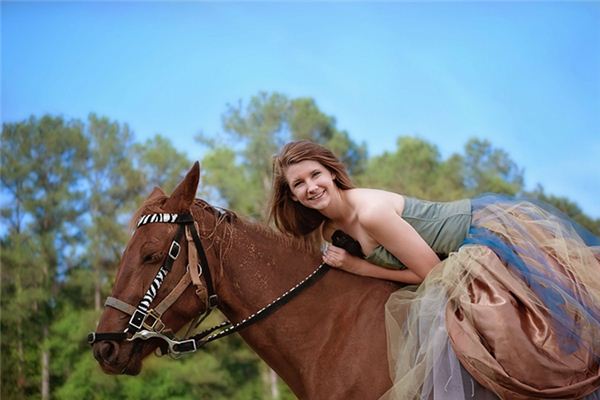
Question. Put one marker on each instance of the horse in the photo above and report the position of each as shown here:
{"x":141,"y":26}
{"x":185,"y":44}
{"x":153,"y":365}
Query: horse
{"x":328,"y":342}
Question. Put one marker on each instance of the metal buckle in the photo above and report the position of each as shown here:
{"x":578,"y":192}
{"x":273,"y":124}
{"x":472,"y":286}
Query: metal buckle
{"x":189,"y":344}
{"x":185,"y":346}
{"x":187,"y":269}
{"x":91,"y":339}
{"x":157,"y":321}
{"x":174,"y":250}
{"x":213,"y":301}
{"x":137,"y":319}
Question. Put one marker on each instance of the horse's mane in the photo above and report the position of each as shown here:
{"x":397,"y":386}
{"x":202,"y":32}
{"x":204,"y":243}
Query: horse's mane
{"x":278,"y":237}
{"x":260,"y":228}
{"x":155,"y":203}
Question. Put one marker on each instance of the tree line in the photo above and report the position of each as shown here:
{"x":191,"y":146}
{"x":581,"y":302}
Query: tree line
{"x":68,"y":188}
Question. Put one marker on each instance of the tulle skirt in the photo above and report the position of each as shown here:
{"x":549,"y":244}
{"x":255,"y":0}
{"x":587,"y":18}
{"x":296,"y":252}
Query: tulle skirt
{"x":513,"y":314}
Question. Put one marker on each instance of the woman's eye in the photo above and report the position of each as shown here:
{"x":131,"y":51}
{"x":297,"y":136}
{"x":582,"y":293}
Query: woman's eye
{"x":316,"y":173}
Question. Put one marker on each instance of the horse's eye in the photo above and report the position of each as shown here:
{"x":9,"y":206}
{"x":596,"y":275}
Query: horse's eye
{"x":151,"y":258}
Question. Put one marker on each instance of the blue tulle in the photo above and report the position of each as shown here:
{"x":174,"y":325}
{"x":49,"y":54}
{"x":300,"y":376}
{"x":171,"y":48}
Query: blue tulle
{"x":554,"y":294}
{"x":586,"y":236}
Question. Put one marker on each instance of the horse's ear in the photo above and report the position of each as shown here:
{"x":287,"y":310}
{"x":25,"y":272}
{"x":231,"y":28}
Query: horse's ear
{"x":184,"y":194}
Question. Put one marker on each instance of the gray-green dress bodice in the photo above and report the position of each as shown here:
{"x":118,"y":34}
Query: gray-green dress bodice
{"x":443,"y":226}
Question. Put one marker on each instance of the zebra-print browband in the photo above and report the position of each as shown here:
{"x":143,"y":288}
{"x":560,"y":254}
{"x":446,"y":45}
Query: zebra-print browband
{"x":158,"y":217}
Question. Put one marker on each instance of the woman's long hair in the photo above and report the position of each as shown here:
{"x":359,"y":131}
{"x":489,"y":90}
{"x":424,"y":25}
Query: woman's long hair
{"x":290,"y":216}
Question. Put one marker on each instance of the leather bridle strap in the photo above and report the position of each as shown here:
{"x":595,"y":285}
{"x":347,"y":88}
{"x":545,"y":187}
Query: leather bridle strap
{"x":227,"y":328}
{"x":194,"y":268}
{"x":141,"y":314}
{"x":213,"y":299}
{"x":172,"y":297}
{"x":119,"y":305}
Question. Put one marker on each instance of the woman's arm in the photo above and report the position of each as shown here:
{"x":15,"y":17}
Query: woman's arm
{"x":340,"y":258}
{"x":399,"y":238}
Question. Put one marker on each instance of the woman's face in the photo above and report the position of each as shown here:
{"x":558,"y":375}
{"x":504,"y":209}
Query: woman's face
{"x":311,"y":184}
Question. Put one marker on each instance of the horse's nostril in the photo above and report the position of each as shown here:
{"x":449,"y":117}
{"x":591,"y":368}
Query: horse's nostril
{"x":106,"y":351}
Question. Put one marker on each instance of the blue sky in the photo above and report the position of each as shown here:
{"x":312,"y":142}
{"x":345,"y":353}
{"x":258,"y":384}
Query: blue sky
{"x":524,"y":75}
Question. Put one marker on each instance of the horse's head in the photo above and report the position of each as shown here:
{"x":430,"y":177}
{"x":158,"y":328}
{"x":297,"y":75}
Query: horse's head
{"x":152,"y":291}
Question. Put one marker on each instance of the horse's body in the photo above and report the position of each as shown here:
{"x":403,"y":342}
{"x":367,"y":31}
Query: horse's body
{"x":327,"y":343}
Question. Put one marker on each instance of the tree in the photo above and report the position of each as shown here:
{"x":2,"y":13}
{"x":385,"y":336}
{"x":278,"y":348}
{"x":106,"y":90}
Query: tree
{"x":113,"y":185}
{"x":22,"y":294}
{"x":415,"y":169}
{"x":488,"y":169}
{"x":42,"y":161}
{"x":160,"y":164}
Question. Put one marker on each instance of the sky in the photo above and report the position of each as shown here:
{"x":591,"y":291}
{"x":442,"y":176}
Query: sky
{"x":523,"y":75}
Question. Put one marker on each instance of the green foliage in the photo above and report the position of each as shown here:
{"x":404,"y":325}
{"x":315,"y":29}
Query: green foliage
{"x":232,"y":180}
{"x":42,"y":162}
{"x":160,"y":164}
{"x":68,"y":188}
{"x":415,"y":169}
{"x":114,"y":186}
{"x":569,"y":208}
{"x":490,"y":170}
{"x":22,"y":292}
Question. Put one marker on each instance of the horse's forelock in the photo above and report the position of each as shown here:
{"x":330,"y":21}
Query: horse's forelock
{"x":149,"y":206}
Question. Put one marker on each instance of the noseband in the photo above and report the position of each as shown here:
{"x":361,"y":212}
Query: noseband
{"x":145,"y":322}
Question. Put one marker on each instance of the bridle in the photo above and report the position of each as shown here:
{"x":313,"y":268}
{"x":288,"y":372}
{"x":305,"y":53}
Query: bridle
{"x":146,"y":323}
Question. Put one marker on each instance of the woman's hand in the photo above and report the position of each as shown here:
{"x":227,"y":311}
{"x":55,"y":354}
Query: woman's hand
{"x":339,"y":258}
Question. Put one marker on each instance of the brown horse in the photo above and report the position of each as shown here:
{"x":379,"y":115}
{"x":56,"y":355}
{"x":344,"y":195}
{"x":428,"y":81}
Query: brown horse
{"x":329,"y":342}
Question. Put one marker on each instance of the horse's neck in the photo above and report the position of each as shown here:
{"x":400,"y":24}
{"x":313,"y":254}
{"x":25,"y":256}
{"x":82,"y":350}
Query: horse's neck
{"x":295,"y":340}
{"x":260,"y":267}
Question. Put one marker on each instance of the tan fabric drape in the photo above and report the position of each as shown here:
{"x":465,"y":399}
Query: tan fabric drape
{"x":475,"y":308}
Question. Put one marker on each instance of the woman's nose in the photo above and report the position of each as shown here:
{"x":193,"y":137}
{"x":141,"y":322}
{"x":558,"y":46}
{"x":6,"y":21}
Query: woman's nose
{"x":312,"y":187}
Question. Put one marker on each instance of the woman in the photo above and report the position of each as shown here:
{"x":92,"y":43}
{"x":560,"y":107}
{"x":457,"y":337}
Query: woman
{"x":513,"y":310}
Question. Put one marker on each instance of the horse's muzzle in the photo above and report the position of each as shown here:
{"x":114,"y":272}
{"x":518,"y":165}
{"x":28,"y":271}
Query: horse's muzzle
{"x":106,"y":352}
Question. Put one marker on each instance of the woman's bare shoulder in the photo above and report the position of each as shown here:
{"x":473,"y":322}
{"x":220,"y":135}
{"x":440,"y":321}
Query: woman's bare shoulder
{"x":369,"y":201}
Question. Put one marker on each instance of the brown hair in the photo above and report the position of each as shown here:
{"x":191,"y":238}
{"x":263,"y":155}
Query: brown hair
{"x":288,"y":215}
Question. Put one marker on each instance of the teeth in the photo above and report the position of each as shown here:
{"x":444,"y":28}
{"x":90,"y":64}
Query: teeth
{"x":316,"y":197}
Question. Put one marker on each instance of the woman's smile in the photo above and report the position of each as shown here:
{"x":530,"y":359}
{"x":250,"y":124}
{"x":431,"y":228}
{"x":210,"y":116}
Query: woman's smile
{"x":317,"y":197}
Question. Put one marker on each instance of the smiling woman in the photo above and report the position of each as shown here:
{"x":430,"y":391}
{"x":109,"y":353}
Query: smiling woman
{"x":513,"y":310}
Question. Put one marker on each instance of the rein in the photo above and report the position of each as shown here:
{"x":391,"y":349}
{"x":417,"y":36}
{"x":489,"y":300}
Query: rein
{"x":146,"y":323}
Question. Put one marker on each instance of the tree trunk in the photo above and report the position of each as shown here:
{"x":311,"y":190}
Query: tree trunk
{"x":45,"y":366}
{"x":269,"y":378}
{"x":21,"y":381}
{"x":274,"y":386}
{"x":97,"y":291}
